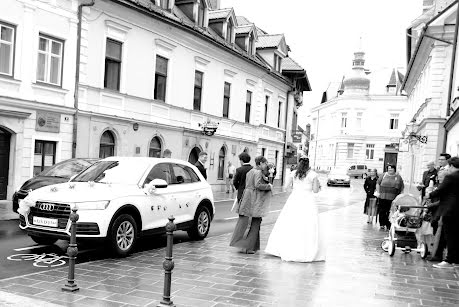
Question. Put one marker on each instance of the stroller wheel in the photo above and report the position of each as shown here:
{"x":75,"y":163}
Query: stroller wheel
{"x":385,"y":245}
{"x":424,"y":250}
{"x":391,"y":249}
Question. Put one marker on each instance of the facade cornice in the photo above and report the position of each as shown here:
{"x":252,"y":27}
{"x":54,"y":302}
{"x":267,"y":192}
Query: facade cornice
{"x":35,"y":105}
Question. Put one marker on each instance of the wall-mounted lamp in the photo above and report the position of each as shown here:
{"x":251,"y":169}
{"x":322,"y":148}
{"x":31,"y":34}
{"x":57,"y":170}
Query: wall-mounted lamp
{"x":135,"y":126}
{"x":412,"y":137}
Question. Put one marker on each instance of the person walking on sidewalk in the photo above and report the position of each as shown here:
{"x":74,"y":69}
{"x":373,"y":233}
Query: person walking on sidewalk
{"x":229,"y":177}
{"x":297,"y":234}
{"x":388,"y":187}
{"x":241,"y":172}
{"x":254,"y":204}
{"x":200,"y":164}
{"x":370,"y":188}
{"x":448,"y":192}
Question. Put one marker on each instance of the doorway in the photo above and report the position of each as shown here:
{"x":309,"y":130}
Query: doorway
{"x":390,"y":158}
{"x":194,"y":155}
{"x":5,"y":138}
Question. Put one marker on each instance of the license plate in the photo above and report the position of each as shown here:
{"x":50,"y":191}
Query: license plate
{"x":43,"y":221}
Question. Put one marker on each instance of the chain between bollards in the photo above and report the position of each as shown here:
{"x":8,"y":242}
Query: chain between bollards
{"x":72,"y":251}
{"x":168,"y":264}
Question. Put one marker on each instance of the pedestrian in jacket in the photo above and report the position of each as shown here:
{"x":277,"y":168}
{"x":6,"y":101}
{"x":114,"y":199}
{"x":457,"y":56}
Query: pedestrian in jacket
{"x":388,"y":187}
{"x":241,"y":172}
{"x":427,"y":176}
{"x":254,"y":204}
{"x":370,"y":188}
{"x":448,"y":192}
{"x":201,"y":162}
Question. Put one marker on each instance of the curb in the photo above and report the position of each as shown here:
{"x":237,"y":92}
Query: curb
{"x":10,"y":299}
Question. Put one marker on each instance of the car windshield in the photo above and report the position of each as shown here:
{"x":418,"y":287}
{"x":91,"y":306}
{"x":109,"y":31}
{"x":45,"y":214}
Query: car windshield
{"x":66,"y":169}
{"x":123,"y":172}
{"x":338,"y":171}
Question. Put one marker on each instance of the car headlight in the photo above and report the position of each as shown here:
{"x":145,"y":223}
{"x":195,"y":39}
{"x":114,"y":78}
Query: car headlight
{"x":92,"y":205}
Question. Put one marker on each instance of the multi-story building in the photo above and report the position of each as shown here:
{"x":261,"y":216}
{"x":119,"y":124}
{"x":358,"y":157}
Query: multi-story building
{"x":430,"y":87}
{"x":37,"y":80}
{"x":360,"y":121}
{"x":152,"y":78}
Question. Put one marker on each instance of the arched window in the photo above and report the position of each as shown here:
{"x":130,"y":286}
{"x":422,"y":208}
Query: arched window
{"x":221,"y":162}
{"x":155,"y":148}
{"x":194,"y":155}
{"x":107,"y":145}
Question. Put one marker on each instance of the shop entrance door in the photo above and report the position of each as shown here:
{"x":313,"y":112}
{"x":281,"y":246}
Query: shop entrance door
{"x":5,"y":138}
{"x":389,"y":158}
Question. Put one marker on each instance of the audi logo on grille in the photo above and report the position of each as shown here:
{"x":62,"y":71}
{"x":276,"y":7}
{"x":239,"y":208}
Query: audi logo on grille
{"x":46,"y":206}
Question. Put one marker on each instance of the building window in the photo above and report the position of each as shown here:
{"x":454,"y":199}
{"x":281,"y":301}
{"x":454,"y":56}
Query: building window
{"x":44,"y":156}
{"x":229,"y":31}
{"x":197,"y":90}
{"x":7,"y":39}
{"x":358,"y":122}
{"x":226,"y":99}
{"x":277,"y":62}
{"x":370,"y":152}
{"x":279,"y":113}
{"x":160,"y":78}
{"x":113,"y":65}
{"x":221,"y":162}
{"x":266,"y":108}
{"x":107,"y":145}
{"x":393,"y":122}
{"x":201,"y":10}
{"x":344,"y":120}
{"x":248,"y":104}
{"x":263,"y":152}
{"x":155,"y":148}
{"x":49,"y":63}
{"x":350,"y":150}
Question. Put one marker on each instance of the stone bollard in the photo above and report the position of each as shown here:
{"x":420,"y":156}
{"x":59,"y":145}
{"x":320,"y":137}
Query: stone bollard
{"x":72,"y":251}
{"x":168,"y":264}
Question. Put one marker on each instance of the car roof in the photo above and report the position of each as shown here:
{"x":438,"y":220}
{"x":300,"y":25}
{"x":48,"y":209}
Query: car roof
{"x":147,"y":160}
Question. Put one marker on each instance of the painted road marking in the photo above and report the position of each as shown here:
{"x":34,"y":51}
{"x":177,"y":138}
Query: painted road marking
{"x":30,"y":247}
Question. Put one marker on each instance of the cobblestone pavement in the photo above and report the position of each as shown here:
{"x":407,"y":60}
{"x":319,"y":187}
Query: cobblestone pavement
{"x":210,"y":273}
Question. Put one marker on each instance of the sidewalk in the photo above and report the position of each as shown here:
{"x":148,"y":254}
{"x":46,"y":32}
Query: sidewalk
{"x":6,"y":211}
{"x":223,"y":196}
{"x":210,"y":273}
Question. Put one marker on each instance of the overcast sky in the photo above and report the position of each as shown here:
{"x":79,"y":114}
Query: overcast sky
{"x":323,"y":34}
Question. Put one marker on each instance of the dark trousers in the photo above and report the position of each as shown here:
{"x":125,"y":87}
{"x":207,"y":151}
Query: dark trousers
{"x":441,"y":245}
{"x":384,"y":209}
{"x":451,"y":231}
{"x":251,"y":241}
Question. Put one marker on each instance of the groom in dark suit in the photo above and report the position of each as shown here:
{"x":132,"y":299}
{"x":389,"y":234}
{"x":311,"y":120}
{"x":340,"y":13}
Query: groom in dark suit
{"x":241,"y":172}
{"x":201,"y":162}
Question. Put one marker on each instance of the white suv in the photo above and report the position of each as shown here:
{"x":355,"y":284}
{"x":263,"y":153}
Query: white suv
{"x":121,"y":198}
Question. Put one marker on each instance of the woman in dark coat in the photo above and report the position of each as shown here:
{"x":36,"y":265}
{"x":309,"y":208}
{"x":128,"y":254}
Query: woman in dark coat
{"x":370,"y":188}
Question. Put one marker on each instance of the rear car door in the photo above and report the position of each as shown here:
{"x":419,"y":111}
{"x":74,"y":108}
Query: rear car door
{"x":188,"y":187}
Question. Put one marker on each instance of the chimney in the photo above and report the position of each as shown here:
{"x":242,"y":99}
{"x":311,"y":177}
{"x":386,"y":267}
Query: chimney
{"x":215,"y":4}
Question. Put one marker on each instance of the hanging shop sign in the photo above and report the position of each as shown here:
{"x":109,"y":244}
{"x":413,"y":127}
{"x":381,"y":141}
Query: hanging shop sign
{"x":296,"y":137}
{"x":209,"y":128}
{"x":48,"y":122}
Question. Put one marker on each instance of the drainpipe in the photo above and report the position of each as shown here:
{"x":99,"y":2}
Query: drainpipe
{"x":77,"y":76}
{"x":284,"y":160}
{"x":317,"y":134}
{"x":451,"y":76}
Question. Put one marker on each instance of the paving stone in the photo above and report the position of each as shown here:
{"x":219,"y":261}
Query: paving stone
{"x":129,"y":299}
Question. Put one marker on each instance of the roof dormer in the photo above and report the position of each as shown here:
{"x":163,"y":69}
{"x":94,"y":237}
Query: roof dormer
{"x":224,"y":23}
{"x":273,"y":49}
{"x":246,"y":37}
{"x":195,"y":10}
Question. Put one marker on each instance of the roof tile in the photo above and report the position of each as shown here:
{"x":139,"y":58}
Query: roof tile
{"x":269,"y":41}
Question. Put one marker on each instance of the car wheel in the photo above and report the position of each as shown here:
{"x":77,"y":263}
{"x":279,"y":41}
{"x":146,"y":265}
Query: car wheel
{"x":123,"y":235}
{"x":201,"y":224}
{"x":43,"y":240}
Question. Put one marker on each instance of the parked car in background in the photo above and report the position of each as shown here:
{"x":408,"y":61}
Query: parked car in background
{"x":119,"y":199}
{"x":338,"y":176}
{"x":58,"y":173}
{"x":358,"y":171}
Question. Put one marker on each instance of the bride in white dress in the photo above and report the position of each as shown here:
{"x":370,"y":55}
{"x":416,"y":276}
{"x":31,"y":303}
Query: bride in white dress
{"x":297,"y":234}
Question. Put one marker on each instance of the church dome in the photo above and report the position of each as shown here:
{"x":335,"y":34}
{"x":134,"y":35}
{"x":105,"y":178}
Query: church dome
{"x":357,"y":81}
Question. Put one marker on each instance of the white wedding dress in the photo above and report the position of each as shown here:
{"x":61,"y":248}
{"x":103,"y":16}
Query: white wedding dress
{"x":297,"y":234}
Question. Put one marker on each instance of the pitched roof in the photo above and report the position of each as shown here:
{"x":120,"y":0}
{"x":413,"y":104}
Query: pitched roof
{"x":392,"y":80}
{"x":245,"y":28}
{"x":241,"y":20}
{"x":289,"y":64}
{"x":269,"y":41}
{"x":219,"y":14}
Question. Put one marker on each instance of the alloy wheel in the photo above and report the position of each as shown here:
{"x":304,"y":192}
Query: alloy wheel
{"x":125,"y":235}
{"x":203,"y":223}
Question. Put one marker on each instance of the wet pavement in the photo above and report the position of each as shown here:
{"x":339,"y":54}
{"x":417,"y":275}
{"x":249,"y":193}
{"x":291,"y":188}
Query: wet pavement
{"x":210,"y":273}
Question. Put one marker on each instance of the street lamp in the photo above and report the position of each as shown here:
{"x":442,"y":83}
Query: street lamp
{"x":413,"y":139}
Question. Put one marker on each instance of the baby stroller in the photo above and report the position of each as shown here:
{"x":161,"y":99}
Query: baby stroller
{"x":406,"y":216}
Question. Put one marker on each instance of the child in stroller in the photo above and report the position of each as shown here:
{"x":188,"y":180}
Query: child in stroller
{"x":406,"y":216}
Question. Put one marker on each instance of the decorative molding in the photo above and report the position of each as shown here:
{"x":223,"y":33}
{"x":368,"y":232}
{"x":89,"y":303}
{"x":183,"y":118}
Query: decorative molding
{"x":116,"y":30}
{"x":18,"y":114}
{"x":251,"y":82}
{"x":269,"y":91}
{"x":230,"y":73}
{"x":164,"y":46}
{"x":201,"y":63}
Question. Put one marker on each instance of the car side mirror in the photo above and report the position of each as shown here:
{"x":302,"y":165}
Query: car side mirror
{"x":180,"y":179}
{"x":150,"y":187}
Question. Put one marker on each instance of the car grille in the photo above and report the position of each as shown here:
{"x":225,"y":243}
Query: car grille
{"x":61,"y":212}
{"x":88,"y":229}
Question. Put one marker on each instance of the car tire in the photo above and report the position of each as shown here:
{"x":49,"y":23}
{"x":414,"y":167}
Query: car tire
{"x":201,"y":224}
{"x":43,"y":240}
{"x":123,"y":235}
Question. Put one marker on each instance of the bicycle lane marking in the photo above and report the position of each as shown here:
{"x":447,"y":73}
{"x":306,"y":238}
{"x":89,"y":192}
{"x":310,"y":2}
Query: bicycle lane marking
{"x":40,"y":260}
